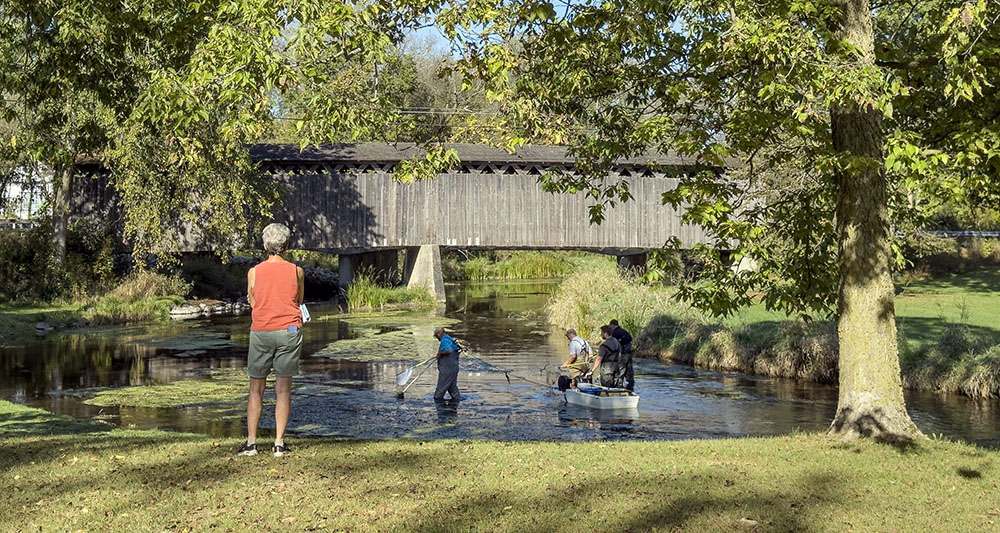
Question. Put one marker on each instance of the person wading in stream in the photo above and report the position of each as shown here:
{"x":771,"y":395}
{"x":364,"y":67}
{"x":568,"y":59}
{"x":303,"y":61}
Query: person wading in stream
{"x":625,"y":363}
{"x":275,"y":290}
{"x":607,"y":361}
{"x":447,"y":359}
{"x":578,"y":362}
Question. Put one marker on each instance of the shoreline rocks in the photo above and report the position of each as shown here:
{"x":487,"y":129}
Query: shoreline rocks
{"x":205,"y":308}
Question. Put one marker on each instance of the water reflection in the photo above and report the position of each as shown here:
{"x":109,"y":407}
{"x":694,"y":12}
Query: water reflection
{"x":504,"y":396}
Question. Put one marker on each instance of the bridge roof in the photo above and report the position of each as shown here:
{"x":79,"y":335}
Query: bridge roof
{"x":381,"y":153}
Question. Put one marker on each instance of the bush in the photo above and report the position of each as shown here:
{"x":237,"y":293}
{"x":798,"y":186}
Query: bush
{"x":29,"y":273}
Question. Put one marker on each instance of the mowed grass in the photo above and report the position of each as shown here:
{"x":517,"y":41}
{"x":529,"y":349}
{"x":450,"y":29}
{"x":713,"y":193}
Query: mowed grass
{"x":62,"y":474}
{"x":925,"y":309}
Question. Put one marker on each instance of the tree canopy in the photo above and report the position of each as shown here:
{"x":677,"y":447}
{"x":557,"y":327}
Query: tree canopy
{"x":843,"y":122}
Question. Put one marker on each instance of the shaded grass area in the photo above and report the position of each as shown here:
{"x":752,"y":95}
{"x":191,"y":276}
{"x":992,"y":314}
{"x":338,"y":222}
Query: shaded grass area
{"x":61,"y":474}
{"x":949,"y":336}
{"x":513,"y":264}
{"x":365,"y":292}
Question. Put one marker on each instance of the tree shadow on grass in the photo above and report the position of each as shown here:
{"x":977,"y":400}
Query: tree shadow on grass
{"x":588,"y":504}
{"x":928,"y":332}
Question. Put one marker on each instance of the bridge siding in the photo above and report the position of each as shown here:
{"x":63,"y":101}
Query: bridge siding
{"x":353,"y":212}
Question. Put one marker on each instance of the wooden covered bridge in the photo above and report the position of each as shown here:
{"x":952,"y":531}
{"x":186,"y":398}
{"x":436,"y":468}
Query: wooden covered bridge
{"x":343,"y":199}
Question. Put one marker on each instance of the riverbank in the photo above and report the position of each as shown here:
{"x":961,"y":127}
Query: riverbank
{"x":141,"y":297}
{"x":948,"y":341}
{"x":65,"y":474}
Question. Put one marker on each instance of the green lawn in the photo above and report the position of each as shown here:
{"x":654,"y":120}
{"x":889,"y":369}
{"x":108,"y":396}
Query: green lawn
{"x":67,"y":475}
{"x":924,"y":309}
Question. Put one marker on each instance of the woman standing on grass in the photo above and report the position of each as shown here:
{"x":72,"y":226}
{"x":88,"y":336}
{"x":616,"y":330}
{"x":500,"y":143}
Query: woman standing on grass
{"x":274,"y":291}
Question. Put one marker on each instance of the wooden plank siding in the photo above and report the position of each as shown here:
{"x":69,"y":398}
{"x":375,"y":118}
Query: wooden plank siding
{"x":369,"y":211}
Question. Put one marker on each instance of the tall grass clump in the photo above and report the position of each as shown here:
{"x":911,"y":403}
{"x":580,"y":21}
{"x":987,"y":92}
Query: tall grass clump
{"x":587,"y":300}
{"x":522,"y":265}
{"x":365,"y":292}
{"x":140,"y":297}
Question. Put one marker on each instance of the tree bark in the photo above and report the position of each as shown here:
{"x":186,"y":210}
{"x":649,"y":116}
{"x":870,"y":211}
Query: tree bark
{"x":870,"y":402}
{"x":63,"y":182}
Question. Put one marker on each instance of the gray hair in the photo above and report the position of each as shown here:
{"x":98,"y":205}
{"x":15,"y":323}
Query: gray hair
{"x":438,"y":330}
{"x":276,"y":237}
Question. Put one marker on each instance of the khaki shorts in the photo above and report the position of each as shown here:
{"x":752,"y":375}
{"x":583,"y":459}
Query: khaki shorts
{"x":279,"y":350}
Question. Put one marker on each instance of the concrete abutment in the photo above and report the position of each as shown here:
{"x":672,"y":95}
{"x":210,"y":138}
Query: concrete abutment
{"x":422,"y":268}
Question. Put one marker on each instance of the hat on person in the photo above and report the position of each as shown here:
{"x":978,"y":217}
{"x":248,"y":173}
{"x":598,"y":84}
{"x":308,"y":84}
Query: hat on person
{"x":570,"y":331}
{"x":438,"y":330}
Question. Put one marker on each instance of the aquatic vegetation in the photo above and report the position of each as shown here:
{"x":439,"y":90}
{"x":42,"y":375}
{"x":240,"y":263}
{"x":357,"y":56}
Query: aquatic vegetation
{"x":392,"y":319}
{"x":365,"y":292}
{"x":176,"y":394}
{"x":400,"y":345}
{"x":513,"y":264}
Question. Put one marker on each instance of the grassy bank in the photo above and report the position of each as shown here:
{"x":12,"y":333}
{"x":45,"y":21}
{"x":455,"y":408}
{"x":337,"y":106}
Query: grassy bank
{"x":365,"y":293}
{"x":511,"y":264}
{"x":62,"y":474}
{"x":948,"y":340}
{"x":138,"y":298}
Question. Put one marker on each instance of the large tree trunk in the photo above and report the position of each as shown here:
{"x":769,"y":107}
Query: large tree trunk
{"x":62,"y":181}
{"x":871,"y":393}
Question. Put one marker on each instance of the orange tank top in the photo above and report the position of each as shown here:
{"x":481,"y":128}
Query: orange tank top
{"x":275,"y":286}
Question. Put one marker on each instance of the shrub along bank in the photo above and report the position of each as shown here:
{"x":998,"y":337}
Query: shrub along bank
{"x":62,"y":474}
{"x":946,"y":325}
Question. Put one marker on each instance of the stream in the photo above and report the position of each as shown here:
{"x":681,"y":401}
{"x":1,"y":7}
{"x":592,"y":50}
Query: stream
{"x":347,"y":387}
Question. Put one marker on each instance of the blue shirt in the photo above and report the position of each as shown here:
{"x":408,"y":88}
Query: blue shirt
{"x":448,"y":343}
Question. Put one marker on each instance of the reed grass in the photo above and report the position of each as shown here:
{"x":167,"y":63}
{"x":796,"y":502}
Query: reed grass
{"x":521,"y":265}
{"x":364,"y":292}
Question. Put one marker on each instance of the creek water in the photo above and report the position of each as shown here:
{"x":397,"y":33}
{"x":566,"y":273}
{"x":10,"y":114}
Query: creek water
{"x":347,"y":387}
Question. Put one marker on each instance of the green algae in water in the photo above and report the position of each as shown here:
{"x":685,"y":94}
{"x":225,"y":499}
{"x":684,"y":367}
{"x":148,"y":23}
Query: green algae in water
{"x":226,"y":387}
{"x":403,"y":345}
{"x":390,"y":319}
{"x":177,"y":394}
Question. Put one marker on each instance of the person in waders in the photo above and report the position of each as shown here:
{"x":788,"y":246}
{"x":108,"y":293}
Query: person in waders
{"x":607,"y":362}
{"x":578,"y":362}
{"x":447,"y":360}
{"x":625,"y":364}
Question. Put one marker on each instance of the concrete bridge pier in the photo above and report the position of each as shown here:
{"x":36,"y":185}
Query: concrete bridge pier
{"x":634,"y":263}
{"x":422,"y":267}
{"x":383,"y":265}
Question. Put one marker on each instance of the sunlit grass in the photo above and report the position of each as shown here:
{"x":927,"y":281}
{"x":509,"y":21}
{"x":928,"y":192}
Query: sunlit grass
{"x":66,"y":475}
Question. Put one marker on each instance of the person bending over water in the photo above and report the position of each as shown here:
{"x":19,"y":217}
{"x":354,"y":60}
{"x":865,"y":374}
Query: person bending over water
{"x":275,"y":290}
